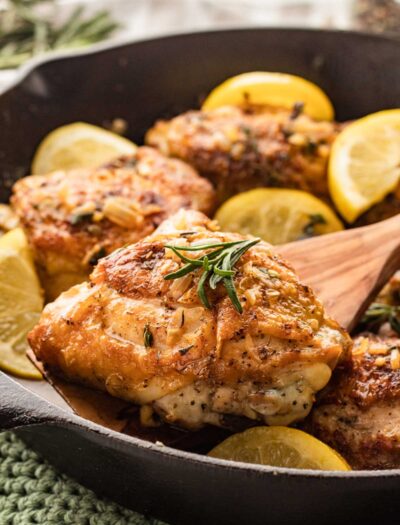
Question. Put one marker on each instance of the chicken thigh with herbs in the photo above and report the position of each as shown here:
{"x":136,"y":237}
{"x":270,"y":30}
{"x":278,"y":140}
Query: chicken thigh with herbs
{"x":74,"y":218}
{"x":191,"y":344}
{"x":359,"y":413}
{"x":240,"y":149}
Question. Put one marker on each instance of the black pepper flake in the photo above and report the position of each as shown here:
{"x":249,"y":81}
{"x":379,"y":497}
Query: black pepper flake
{"x":184,"y":351}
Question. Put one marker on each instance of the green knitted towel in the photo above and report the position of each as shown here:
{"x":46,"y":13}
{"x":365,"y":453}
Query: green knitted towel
{"x":32,"y":492}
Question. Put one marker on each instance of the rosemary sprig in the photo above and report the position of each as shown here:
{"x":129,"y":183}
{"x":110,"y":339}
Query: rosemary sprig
{"x":379,"y":313}
{"x":216,"y":265}
{"x":24,"y":34}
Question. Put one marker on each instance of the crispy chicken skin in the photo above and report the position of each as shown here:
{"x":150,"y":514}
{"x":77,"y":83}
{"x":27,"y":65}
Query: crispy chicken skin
{"x":150,"y":341}
{"x":359,"y":413}
{"x":71,"y":219}
{"x":241,"y":149}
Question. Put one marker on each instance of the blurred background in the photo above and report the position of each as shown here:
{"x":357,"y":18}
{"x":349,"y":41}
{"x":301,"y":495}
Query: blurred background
{"x":30,"y":28}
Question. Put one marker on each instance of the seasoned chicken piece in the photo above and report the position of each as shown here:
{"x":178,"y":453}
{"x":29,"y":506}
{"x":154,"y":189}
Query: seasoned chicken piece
{"x":241,"y":149}
{"x":359,"y":413}
{"x":72,"y":219}
{"x":152,"y":341}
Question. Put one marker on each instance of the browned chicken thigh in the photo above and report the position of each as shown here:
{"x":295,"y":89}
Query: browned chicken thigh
{"x":241,"y":149}
{"x":359,"y":413}
{"x":152,"y":341}
{"x":74,"y":218}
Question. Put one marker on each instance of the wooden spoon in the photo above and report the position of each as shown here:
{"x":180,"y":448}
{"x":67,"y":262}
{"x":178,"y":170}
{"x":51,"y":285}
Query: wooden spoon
{"x":347,"y":269}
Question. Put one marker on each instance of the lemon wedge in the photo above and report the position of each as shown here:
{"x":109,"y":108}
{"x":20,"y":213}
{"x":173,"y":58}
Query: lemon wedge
{"x":364,"y":165}
{"x":277,"y":215}
{"x":279,"y":447}
{"x":272,"y":89}
{"x":21,"y":303}
{"x":79,"y":145}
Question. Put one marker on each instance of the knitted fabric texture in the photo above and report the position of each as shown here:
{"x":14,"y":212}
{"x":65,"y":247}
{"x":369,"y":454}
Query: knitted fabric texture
{"x":32,"y":492}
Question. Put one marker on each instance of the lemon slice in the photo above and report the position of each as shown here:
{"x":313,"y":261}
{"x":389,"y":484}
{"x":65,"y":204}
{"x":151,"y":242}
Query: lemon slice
{"x":272,"y":89}
{"x":277,"y":215}
{"x":364,"y":164}
{"x":21,"y":303}
{"x":8,"y":219}
{"x":79,"y":145}
{"x":280,"y":447}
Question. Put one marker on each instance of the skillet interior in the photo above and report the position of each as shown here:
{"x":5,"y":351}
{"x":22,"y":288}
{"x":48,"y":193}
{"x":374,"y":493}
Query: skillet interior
{"x":142,"y":82}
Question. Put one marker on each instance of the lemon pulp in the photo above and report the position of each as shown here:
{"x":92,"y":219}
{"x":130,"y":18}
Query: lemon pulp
{"x":280,"y":447}
{"x":79,"y":145}
{"x":21,"y":303}
{"x":272,"y":89}
{"x":277,"y":215}
{"x":364,"y":165}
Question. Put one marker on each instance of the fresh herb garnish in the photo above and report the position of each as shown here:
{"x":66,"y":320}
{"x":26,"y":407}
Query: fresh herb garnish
{"x":379,"y":313}
{"x":314,"y":220}
{"x":25,"y":32}
{"x":217,"y":266}
{"x":147,"y":337}
{"x":250,"y":138}
{"x":297,"y":110}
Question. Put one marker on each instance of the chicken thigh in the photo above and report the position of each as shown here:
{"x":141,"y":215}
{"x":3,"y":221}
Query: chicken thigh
{"x":359,"y":413}
{"x":74,"y":218}
{"x":153,"y":342}
{"x":241,"y":149}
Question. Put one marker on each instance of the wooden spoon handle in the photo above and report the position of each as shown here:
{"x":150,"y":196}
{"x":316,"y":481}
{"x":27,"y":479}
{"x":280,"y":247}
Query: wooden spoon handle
{"x":347,"y":269}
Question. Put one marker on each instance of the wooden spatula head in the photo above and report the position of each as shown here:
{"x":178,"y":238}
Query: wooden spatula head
{"x":347,"y":269}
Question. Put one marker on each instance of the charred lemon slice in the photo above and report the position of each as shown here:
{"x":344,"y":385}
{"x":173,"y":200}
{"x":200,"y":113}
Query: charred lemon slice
{"x":21,"y":303}
{"x":277,"y":215}
{"x":79,"y":145}
{"x":364,"y":164}
{"x":271,"y":89}
{"x":280,"y":447}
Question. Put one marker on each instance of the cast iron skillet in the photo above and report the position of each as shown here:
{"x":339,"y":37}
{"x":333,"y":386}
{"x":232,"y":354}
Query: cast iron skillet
{"x":141,"y":82}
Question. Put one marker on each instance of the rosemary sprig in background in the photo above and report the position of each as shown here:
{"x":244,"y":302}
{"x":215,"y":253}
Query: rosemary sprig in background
{"x":217,"y":265}
{"x":379,"y":313}
{"x":25,"y":33}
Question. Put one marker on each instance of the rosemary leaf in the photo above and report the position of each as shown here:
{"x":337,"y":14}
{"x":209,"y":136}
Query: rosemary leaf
{"x":200,"y":247}
{"x":230,"y":288}
{"x":201,"y":290}
{"x":181,"y":272}
{"x":379,"y":313}
{"x":195,"y":262}
{"x":23,"y":33}
{"x":217,"y":266}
